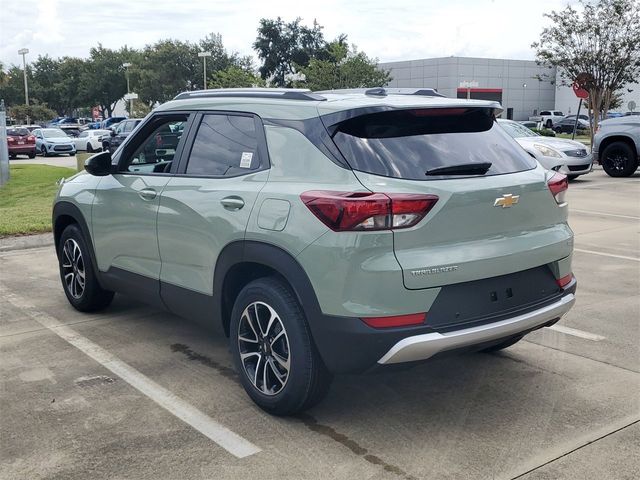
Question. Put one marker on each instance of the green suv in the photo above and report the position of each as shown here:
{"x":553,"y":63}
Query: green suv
{"x":322,"y":232}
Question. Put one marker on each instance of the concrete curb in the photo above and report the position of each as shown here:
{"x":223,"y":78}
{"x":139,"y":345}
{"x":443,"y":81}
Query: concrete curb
{"x":26,"y":241}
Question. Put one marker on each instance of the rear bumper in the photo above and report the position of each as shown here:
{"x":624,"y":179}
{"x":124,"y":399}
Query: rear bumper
{"x":422,"y":347}
{"x":18,"y":149}
{"x":347,"y":344}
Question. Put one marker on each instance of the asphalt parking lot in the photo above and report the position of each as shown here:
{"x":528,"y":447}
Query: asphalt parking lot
{"x":137,"y":393}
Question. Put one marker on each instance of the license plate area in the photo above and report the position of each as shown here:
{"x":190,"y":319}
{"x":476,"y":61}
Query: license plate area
{"x":484,"y":301}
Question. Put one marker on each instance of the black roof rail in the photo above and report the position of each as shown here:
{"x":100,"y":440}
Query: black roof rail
{"x":384,"y":91}
{"x":280,"y":93}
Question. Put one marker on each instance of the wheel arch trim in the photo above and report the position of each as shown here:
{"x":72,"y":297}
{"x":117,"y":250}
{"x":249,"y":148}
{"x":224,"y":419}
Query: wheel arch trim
{"x":68,"y":209}
{"x":272,"y":257}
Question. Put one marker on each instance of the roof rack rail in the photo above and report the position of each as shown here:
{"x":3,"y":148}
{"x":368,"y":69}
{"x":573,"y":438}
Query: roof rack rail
{"x":384,"y":91}
{"x":281,"y":93}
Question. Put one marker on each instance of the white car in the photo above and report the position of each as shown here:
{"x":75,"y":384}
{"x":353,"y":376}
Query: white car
{"x":567,"y":156}
{"x":89,"y":140}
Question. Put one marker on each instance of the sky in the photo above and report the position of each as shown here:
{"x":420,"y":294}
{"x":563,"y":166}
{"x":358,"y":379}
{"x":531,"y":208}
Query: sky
{"x":390,"y":31}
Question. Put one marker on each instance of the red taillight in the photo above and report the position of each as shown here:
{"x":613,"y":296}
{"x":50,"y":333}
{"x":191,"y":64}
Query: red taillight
{"x":558,"y":185}
{"x":397,"y":321}
{"x":10,"y":139}
{"x":31,"y":139}
{"x":564,"y":281}
{"x":345,"y":211}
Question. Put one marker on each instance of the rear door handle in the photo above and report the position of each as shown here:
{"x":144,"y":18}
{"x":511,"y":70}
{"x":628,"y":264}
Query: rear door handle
{"x":232,"y":203}
{"x":147,"y":193}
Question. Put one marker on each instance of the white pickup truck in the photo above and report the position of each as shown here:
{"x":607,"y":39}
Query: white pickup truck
{"x":547,"y":117}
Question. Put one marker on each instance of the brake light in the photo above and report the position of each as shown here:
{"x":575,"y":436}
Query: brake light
{"x":564,"y":281}
{"x":349,"y":211}
{"x":31,"y":139}
{"x":10,"y":139}
{"x":558,"y":185}
{"x":396,"y":321}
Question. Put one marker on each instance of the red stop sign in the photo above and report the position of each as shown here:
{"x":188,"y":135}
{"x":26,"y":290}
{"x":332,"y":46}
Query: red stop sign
{"x":580,"y":92}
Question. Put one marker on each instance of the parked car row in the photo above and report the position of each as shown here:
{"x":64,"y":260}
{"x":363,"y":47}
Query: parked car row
{"x":567,"y":156}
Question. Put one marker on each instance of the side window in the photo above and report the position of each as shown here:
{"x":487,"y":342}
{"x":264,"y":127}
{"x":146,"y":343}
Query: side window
{"x":225,"y":145}
{"x":155,"y":149}
{"x":83,"y":134}
{"x":128,"y":127}
{"x":545,"y":113}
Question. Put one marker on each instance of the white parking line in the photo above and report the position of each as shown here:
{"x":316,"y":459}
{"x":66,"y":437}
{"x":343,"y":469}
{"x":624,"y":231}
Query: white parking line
{"x":230,"y":441}
{"x":577,"y":333}
{"x":592,"y":252}
{"x":604,"y":214}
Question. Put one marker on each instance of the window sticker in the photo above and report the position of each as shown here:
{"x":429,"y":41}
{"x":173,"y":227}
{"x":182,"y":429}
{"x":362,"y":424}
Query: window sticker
{"x":245,"y":161}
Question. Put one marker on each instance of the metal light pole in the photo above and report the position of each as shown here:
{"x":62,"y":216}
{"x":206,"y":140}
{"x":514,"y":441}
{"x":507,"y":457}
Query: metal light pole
{"x":4,"y":149}
{"x":126,"y":70}
{"x":524,"y":93}
{"x":204,"y":56}
{"x":23,"y":52}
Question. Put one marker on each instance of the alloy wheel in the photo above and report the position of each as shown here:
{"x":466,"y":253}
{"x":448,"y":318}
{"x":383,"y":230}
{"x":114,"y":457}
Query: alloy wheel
{"x":264,"y":348}
{"x":73,"y":268}
{"x":616,"y":160}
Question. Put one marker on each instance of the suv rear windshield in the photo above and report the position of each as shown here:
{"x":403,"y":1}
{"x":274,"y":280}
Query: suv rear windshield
{"x":408,"y":143}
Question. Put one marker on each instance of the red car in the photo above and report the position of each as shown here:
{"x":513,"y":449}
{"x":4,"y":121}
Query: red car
{"x":21,"y":142}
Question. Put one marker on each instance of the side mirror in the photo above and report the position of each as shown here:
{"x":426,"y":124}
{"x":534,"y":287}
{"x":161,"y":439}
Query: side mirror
{"x":113,"y":133}
{"x":99,"y":164}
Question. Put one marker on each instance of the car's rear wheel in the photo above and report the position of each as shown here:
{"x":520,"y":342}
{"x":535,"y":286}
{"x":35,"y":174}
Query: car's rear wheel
{"x":619,"y":160}
{"x":77,"y":274}
{"x":12,"y":156}
{"x":558,"y":129}
{"x":32,"y":154}
{"x":549,"y":124}
{"x":273,"y":351}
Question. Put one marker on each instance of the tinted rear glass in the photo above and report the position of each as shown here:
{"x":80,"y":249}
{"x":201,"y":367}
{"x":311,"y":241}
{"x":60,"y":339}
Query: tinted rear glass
{"x":408,"y":143}
{"x":17,"y":132}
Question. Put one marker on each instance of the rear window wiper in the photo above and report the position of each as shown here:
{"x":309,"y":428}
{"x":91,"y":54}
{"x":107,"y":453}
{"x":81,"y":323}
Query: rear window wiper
{"x":461,"y":169}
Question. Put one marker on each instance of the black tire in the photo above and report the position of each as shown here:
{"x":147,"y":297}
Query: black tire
{"x":89,"y":148}
{"x":92,"y":296}
{"x":506,"y":344}
{"x":12,"y":156}
{"x":619,"y":160}
{"x":572,"y":177}
{"x":43,"y":151}
{"x":549,"y":124}
{"x":32,"y":154}
{"x":558,"y":129}
{"x":307,"y":380}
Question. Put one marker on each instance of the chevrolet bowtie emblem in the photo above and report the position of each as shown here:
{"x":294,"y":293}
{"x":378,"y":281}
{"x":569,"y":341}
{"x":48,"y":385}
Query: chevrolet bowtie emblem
{"x":506,"y":201}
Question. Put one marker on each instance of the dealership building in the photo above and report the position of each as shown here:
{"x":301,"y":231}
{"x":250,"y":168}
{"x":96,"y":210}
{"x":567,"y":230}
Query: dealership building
{"x":523,"y":87}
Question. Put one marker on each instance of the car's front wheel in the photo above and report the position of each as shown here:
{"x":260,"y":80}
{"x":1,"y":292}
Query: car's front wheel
{"x":77,"y":274}
{"x":619,"y":160}
{"x":273,"y":351}
{"x":89,"y":148}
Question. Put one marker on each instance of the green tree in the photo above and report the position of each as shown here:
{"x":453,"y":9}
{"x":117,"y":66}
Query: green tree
{"x":343,"y":67}
{"x":164,"y":69}
{"x":12,"y":85}
{"x":103,"y":80}
{"x":599,"y":38}
{"x":282,"y":47}
{"x":235,"y":77}
{"x":57,"y":83}
{"x":35,"y":113}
